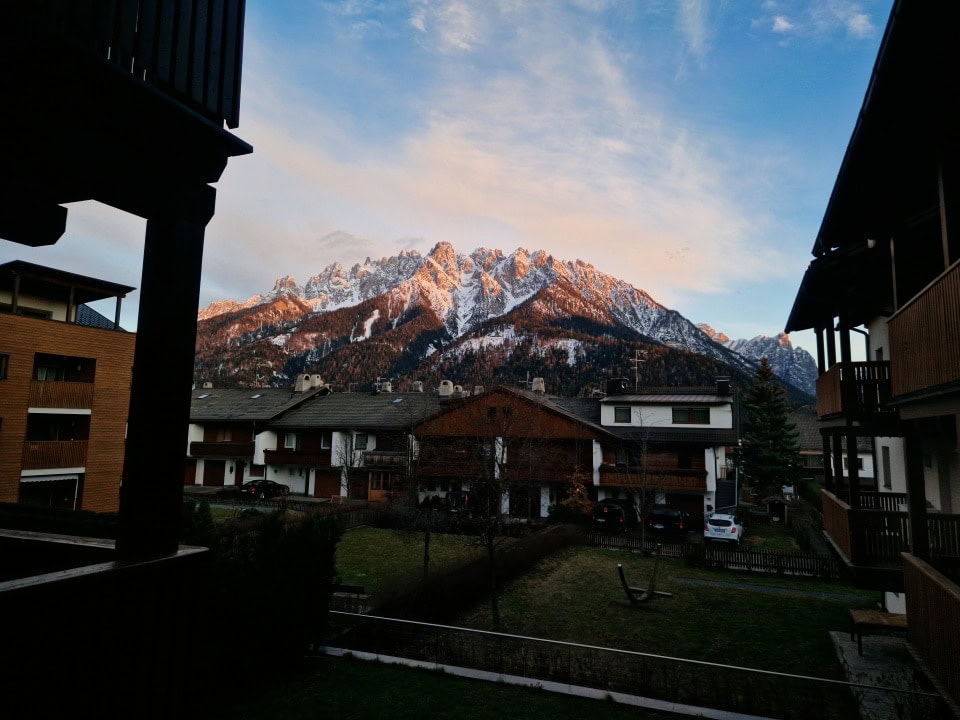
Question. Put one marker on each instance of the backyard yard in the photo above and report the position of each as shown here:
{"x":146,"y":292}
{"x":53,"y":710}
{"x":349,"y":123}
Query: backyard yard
{"x":718,"y":616}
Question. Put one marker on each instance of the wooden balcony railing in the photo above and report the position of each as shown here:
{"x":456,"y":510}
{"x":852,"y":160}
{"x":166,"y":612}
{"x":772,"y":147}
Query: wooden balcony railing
{"x":57,"y":394}
{"x":53,"y":454}
{"x":222,"y":449}
{"x":878,"y":534}
{"x":923,"y":337}
{"x":933,"y":612}
{"x":320,"y":458}
{"x":385,"y":458}
{"x":836,"y":522}
{"x":673,"y":480}
{"x":191,"y":51}
{"x":883,"y":501}
{"x":854,"y":389}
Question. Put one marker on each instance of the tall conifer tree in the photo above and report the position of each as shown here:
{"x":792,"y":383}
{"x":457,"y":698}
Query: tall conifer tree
{"x":770,"y":455}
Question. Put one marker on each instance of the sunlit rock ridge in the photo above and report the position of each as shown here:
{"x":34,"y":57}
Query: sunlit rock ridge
{"x":424,"y":312}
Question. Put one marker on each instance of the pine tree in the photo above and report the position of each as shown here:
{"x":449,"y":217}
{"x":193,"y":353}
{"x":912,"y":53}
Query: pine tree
{"x":770,"y":455}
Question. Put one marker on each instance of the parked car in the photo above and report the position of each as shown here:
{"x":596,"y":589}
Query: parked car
{"x":668,"y":520}
{"x":609,"y":516}
{"x":263,"y":489}
{"x":723,"y":527}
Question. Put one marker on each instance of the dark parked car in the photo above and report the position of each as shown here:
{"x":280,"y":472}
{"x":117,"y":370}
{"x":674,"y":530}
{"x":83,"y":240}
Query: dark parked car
{"x":668,"y":520}
{"x":609,"y":516}
{"x":263,"y":489}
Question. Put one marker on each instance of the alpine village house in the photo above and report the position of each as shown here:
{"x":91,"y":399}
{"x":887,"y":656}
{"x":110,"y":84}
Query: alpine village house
{"x":887,"y":263}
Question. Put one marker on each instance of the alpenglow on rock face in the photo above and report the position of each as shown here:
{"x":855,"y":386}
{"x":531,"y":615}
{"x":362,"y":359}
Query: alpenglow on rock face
{"x":794,"y":365}
{"x":425,"y":307}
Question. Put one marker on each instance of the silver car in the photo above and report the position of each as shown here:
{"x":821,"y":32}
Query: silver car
{"x":723,"y":527}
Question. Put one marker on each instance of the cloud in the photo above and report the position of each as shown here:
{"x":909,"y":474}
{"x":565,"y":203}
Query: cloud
{"x":558,"y":149}
{"x":454,"y":26}
{"x":782,"y":25}
{"x":817,"y":18}
{"x":692,"y":20}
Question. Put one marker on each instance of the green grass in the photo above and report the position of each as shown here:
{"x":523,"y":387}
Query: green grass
{"x":769,"y":537}
{"x":343,"y":689}
{"x":576,"y":596}
{"x":387,"y":561}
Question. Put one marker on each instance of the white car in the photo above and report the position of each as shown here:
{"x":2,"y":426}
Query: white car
{"x":723,"y":527}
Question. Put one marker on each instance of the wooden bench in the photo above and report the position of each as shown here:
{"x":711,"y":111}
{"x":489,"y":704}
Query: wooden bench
{"x":871,"y":622}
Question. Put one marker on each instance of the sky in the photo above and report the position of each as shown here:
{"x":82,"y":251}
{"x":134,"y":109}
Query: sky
{"x":688,"y":147}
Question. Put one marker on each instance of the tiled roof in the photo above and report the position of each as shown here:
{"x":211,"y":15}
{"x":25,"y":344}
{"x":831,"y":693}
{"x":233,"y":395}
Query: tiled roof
{"x":669,"y":399}
{"x":250,"y":404}
{"x":88,"y":317}
{"x":361,"y":411}
{"x":808,"y":431}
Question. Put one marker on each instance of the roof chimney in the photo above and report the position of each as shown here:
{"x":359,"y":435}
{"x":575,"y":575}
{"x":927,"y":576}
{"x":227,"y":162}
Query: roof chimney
{"x":538,"y":386}
{"x":418,"y":385}
{"x":617,"y":386}
{"x":302,"y":383}
{"x":208,"y":385}
{"x":446,"y":388}
{"x":478,"y":389}
{"x":723,"y":386}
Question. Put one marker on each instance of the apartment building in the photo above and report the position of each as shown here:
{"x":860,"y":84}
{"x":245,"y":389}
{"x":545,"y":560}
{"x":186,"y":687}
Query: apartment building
{"x":64,"y":389}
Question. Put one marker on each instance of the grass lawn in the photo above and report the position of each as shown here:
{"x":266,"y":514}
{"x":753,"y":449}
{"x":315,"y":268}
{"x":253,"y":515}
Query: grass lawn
{"x":576,"y":596}
{"x":769,"y":537}
{"x":338,"y":689}
{"x":388,"y":561}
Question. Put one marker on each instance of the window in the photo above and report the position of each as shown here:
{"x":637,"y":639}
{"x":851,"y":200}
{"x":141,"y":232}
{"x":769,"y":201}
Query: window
{"x":813,"y":461}
{"x":326,"y":441}
{"x":885,"y":459}
{"x":685,"y":459}
{"x":691,"y":416}
{"x":291,"y":441}
{"x":621,"y":414}
{"x":360,"y":441}
{"x":4,"y":361}
{"x":50,"y":373}
{"x":859,"y":463}
{"x":224,"y":435}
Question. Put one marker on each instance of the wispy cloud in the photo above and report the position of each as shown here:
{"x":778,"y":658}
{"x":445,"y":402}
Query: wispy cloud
{"x":692,"y":20}
{"x":817,"y":18}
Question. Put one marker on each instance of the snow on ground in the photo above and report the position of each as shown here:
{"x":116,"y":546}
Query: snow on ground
{"x":367,"y":326}
{"x":280,"y":340}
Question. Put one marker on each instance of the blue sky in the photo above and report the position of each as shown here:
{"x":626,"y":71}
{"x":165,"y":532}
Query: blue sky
{"x":687,"y":147}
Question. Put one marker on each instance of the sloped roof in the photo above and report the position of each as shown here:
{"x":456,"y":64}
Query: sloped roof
{"x":88,"y":317}
{"x":669,"y":399}
{"x":358,"y":411}
{"x":50,"y":282}
{"x":262,"y":404}
{"x":808,"y":431}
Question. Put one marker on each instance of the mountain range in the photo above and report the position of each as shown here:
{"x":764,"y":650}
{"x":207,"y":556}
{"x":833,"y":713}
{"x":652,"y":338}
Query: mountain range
{"x":476,"y":318}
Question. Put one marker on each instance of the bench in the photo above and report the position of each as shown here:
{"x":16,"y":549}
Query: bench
{"x":872,"y":622}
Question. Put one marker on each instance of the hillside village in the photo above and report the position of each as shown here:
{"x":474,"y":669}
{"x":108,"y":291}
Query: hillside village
{"x":506,"y":466}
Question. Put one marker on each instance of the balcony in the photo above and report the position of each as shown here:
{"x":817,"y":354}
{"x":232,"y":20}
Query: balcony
{"x":190,"y":52}
{"x":856,"y":391}
{"x":385,"y":458}
{"x":222,"y":449}
{"x":872,"y":538}
{"x":286,"y":456}
{"x":57,"y":394}
{"x":933,"y":606}
{"x":667,"y":480}
{"x":53,"y":454}
{"x":923,"y":334}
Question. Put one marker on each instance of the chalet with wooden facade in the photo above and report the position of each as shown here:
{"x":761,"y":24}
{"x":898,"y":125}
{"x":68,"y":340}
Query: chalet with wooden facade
{"x":123,"y":103}
{"x":673,"y":445}
{"x":887,"y":259}
{"x":228,"y":428}
{"x":64,"y":389}
{"x":526,"y":445}
{"x":355,"y":445}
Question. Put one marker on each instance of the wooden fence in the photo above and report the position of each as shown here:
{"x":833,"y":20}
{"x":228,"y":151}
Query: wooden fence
{"x":731,"y":557}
